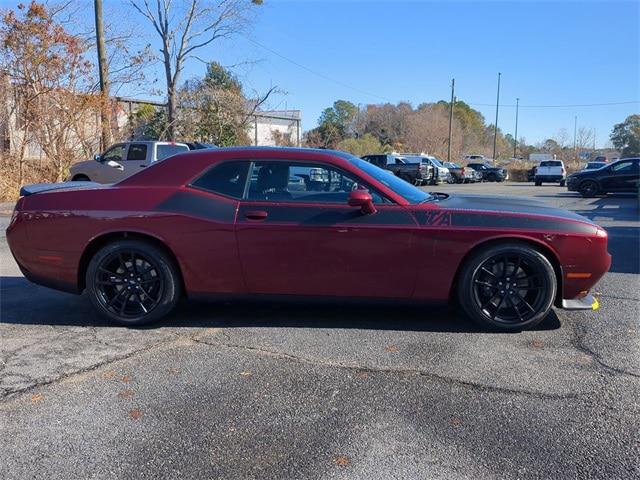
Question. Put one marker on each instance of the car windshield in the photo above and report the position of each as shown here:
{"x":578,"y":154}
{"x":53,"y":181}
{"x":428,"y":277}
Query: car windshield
{"x":451,"y":165}
{"x":407,"y":191}
{"x":436,"y":162}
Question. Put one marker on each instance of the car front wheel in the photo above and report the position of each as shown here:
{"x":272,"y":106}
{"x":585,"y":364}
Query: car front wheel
{"x":507,"y":287}
{"x":588,"y":188}
{"x":132,"y":282}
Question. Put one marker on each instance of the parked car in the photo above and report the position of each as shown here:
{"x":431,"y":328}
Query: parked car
{"x":203,"y":224}
{"x":460,"y":174}
{"x":594,"y":165}
{"x":551,"y":171}
{"x":123,"y":160}
{"x":476,"y":159}
{"x":440,"y":172}
{"x":490,"y":173}
{"x":413,"y":173}
{"x":620,"y":176}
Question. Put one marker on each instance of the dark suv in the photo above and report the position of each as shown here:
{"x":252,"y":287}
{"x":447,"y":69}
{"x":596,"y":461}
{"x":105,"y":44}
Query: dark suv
{"x":620,"y":176}
{"x":489,"y":173}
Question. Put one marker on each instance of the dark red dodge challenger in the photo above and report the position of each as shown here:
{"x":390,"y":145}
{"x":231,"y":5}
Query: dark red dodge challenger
{"x":302,"y":222}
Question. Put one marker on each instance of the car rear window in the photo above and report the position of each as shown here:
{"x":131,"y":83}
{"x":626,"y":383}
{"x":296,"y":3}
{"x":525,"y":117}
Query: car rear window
{"x":227,"y":178}
{"x":551,"y":163}
{"x":166,"y":151}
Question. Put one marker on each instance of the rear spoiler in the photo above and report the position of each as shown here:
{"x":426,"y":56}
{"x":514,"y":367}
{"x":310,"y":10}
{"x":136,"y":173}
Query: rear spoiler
{"x":49,"y":187}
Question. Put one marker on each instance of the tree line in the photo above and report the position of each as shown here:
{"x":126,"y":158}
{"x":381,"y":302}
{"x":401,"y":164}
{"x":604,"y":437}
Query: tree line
{"x":378,"y":128}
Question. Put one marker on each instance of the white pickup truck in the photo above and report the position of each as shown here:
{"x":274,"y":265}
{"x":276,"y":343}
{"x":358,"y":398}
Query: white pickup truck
{"x":123,"y":160}
{"x":551,"y":171}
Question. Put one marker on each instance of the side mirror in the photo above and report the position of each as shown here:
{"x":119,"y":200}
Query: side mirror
{"x":97,"y":157}
{"x":114,"y":164}
{"x":362,"y":198}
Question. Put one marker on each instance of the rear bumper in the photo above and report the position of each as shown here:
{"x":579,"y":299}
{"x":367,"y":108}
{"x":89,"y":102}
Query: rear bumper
{"x":549,"y":178}
{"x":588,"y":302}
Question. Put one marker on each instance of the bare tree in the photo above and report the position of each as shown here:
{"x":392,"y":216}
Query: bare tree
{"x":183,"y":31}
{"x":584,"y":138}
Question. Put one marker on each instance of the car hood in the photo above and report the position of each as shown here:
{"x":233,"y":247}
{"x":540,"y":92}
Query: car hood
{"x":81,"y":165}
{"x":507,"y":205}
{"x":585,"y":173}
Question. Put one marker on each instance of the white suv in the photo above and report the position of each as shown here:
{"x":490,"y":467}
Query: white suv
{"x":123,"y":160}
{"x":551,"y":171}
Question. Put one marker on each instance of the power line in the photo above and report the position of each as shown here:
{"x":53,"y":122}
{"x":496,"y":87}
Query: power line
{"x":351,"y":87}
{"x":631,"y":102}
{"x":319,"y":74}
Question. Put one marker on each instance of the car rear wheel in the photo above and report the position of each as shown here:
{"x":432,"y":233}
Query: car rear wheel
{"x":588,"y":188}
{"x":563,"y":183}
{"x":132,"y":282}
{"x":507,"y":287}
{"x":492,"y":177}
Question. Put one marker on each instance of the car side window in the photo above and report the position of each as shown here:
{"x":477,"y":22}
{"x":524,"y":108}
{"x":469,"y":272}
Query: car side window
{"x":302,"y":182}
{"x":622,"y":167}
{"x":114,"y":154}
{"x":137,"y":151}
{"x":227,"y":178}
{"x":168,"y":150}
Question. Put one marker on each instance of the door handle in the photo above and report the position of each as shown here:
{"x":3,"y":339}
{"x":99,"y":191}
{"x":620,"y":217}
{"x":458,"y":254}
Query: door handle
{"x":256,"y":214}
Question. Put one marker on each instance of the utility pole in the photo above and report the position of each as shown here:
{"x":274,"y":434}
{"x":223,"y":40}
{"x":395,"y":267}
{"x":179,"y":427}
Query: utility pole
{"x":495,"y":127}
{"x":575,"y":130}
{"x":453,"y":101}
{"x":515,"y":142}
{"x":103,"y":70}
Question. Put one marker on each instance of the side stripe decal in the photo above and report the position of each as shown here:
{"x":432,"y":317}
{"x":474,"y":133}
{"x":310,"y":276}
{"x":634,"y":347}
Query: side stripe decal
{"x":195,"y":205}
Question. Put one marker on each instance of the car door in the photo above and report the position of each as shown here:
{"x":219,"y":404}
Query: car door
{"x":111,"y":168}
{"x":311,"y":242}
{"x":136,"y":159}
{"x":622,"y":176}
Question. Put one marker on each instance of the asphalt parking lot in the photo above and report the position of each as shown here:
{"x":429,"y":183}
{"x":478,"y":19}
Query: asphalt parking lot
{"x":310,"y":391}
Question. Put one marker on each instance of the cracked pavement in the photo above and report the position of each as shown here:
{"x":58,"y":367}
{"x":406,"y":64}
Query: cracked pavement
{"x":265,"y":390}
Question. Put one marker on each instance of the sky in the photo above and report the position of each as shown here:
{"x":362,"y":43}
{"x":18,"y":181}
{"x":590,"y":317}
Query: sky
{"x":549,"y":53}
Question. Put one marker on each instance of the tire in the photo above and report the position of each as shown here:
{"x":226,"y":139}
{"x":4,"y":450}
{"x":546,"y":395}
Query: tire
{"x":80,"y":178}
{"x":563,"y":183}
{"x":588,"y":188}
{"x":153,"y":279}
{"x":538,"y":183}
{"x":492,"y":177}
{"x":484,"y":275}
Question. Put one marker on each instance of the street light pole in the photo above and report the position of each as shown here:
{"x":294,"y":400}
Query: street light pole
{"x":453,"y":101}
{"x":515,"y":140}
{"x":495,"y":127}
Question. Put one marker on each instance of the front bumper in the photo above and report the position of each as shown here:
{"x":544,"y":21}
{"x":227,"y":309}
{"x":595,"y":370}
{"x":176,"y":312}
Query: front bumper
{"x":588,"y":302}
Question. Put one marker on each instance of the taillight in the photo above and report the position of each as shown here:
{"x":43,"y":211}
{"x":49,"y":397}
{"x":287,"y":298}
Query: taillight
{"x":462,"y":170}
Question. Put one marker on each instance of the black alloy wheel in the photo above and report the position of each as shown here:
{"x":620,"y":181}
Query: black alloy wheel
{"x":508,"y":287}
{"x":132,"y":282}
{"x":588,"y":188}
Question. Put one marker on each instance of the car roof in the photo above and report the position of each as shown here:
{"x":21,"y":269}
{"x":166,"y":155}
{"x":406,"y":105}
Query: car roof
{"x":182,"y":167}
